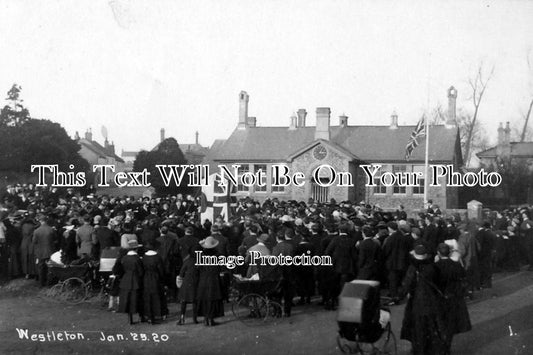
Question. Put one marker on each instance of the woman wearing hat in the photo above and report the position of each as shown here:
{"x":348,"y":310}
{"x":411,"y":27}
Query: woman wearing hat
{"x":423,"y":323}
{"x":69,"y":249}
{"x":209,"y":292}
{"x":130,"y":283}
{"x":189,"y":282}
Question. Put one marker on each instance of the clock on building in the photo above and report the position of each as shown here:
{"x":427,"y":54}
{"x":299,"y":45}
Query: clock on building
{"x":320,"y":152}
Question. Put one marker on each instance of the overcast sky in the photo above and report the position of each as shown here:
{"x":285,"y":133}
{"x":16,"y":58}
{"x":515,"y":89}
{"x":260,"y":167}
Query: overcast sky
{"x":139,"y":66}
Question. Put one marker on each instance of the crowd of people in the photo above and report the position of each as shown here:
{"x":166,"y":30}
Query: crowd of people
{"x":433,"y":260}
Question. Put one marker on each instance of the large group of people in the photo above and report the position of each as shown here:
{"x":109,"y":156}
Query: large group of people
{"x":433,"y":260}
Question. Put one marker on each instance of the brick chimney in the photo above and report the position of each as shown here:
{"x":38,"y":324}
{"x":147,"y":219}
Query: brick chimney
{"x":252,"y":121}
{"x":89,"y":135}
{"x":507,"y":133}
{"x":452,"y":103}
{"x":196,"y":137}
{"x":322,"y":123}
{"x":500,"y":134}
{"x":343,"y":120}
{"x":294,"y":122}
{"x":302,"y":114}
{"x":162,"y":134}
{"x":243,"y":110}
{"x":393,"y":120}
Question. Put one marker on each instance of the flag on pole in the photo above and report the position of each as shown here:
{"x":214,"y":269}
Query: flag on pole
{"x":418,"y":132}
{"x":217,"y":199}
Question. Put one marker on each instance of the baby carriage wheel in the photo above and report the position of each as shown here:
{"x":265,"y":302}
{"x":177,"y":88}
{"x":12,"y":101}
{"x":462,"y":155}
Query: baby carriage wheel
{"x":251,"y":309}
{"x":344,"y":346}
{"x":74,"y":290}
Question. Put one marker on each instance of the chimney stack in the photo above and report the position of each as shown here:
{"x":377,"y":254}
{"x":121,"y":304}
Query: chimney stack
{"x":343,"y":120}
{"x":302,"y":114}
{"x":162,"y":134}
{"x":294,"y":122}
{"x":322,"y":123}
{"x":243,"y":110}
{"x":89,"y":135}
{"x":507,"y":133}
{"x":500,"y":134}
{"x":111,"y":148}
{"x":452,"y":102}
{"x":252,"y":121}
{"x":393,"y":120}
{"x":196,"y":137}
{"x":77,"y":136}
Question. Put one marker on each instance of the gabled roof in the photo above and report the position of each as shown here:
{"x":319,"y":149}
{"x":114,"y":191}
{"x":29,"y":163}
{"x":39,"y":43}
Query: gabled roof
{"x":367,"y":143}
{"x":96,"y":148}
{"x":329,"y":144}
{"x":518,"y":149}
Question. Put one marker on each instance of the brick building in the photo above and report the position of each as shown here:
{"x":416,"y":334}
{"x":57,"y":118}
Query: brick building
{"x":344,"y":147}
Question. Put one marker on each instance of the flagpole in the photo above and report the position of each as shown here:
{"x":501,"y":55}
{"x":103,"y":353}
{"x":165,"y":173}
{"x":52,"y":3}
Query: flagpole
{"x":426,"y":167}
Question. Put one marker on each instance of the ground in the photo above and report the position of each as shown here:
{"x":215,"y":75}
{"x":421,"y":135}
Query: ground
{"x":501,"y":319}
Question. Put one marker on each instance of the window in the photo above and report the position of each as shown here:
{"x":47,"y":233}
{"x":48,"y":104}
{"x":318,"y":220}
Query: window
{"x":281,"y":181}
{"x":379,"y":188}
{"x":262,"y":167}
{"x":244,"y":168}
{"x":396,"y":188}
{"x":419,"y":190}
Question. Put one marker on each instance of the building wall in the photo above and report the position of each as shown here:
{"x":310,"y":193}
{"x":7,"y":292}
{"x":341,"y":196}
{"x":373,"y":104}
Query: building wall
{"x":410,"y":199}
{"x":307,"y":164}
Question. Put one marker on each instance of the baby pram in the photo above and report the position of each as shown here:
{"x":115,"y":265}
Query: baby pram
{"x":364,"y":326}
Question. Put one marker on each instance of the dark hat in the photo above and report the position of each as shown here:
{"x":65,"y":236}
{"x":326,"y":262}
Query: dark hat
{"x":393,"y":225}
{"x":405,"y":228}
{"x":134,"y":244}
{"x":189,"y":231}
{"x":262,"y":238}
{"x":420,"y":252}
{"x":443,"y":249}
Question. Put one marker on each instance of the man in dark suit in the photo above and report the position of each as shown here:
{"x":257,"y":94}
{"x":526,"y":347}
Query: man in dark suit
{"x":285,"y":248}
{"x":431,"y":235}
{"x":344,"y":255}
{"x":396,"y":253}
{"x":369,"y":256}
{"x":187,"y":242}
{"x":104,"y":237}
{"x":43,"y":242}
{"x":487,"y":241}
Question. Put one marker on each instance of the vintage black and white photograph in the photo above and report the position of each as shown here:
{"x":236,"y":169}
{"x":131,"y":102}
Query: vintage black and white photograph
{"x":266,"y":177}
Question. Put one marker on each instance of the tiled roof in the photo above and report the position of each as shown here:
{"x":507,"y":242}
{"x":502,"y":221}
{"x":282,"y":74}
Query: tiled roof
{"x":518,"y":149}
{"x":368,"y":143}
{"x":99,"y":150}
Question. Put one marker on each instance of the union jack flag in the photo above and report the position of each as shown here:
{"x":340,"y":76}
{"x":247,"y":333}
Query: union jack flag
{"x":218,"y":199}
{"x":419,"y":131}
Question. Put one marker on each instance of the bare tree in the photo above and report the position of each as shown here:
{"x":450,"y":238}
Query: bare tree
{"x":478,"y":86}
{"x":528,"y":114}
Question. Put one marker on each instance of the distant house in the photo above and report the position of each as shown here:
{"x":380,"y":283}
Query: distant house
{"x":344,"y":147}
{"x":505,"y":149}
{"x":95,"y":153}
{"x":193,"y":152}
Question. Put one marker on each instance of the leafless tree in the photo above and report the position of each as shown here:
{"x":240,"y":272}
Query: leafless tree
{"x":478,"y":85}
{"x":528,"y":114}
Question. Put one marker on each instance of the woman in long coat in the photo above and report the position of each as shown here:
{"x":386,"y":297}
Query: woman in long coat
{"x":209,"y":292}
{"x":152,"y":284}
{"x":187,"y":291}
{"x":451,"y":280}
{"x":27,"y":258}
{"x":423,"y":324}
{"x":130,"y":283}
